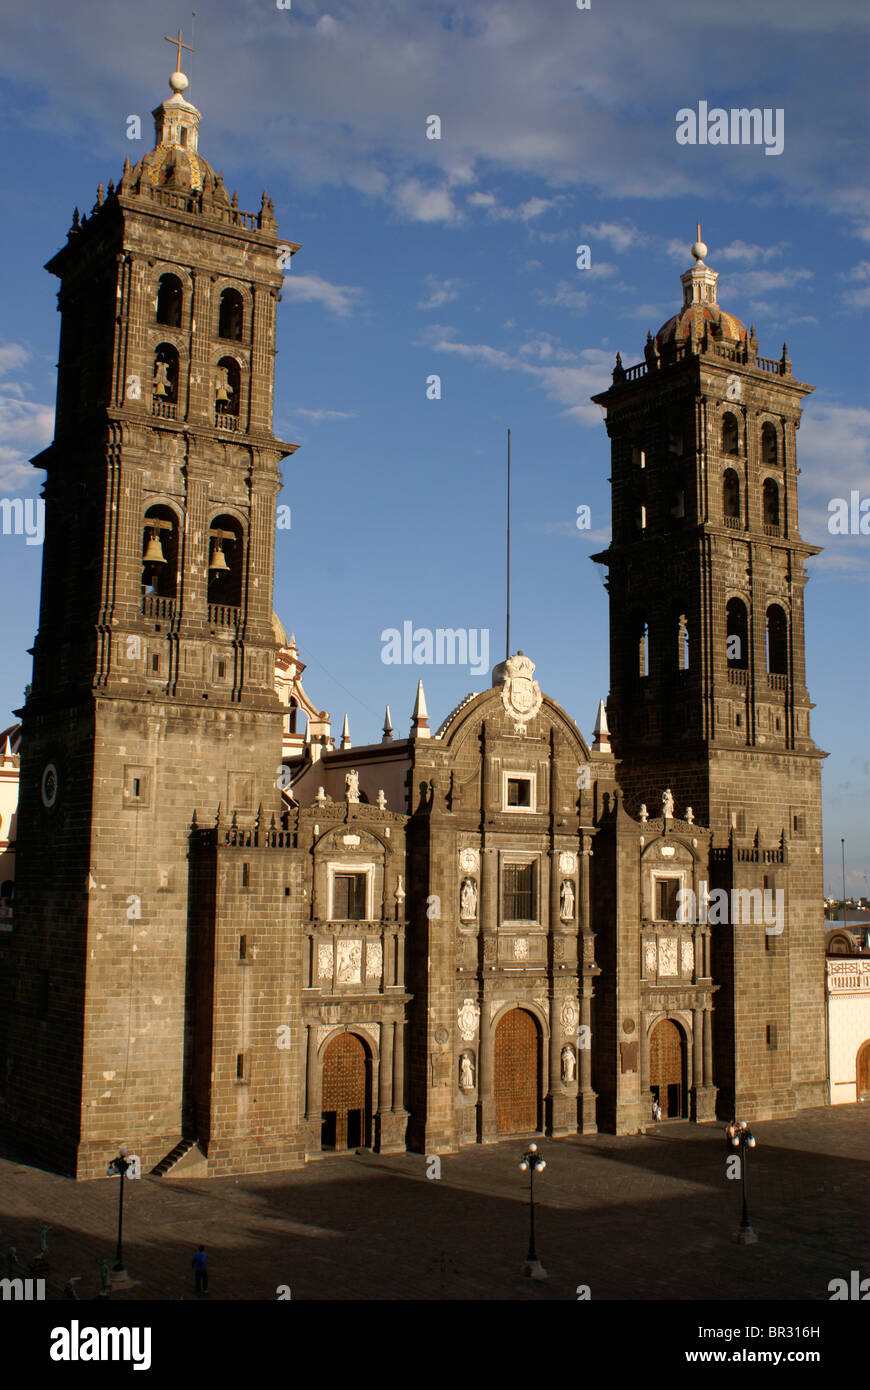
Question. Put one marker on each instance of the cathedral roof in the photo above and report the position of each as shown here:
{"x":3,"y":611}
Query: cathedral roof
{"x":175,"y":160}
{"x":701,"y":312}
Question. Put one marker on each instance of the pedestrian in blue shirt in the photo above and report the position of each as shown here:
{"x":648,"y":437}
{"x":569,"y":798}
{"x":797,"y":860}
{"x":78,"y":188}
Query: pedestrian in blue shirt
{"x":200,"y":1273}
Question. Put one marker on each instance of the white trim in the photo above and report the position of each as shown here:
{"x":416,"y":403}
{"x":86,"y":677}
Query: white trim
{"x":519,"y":775}
{"x":334,"y":866}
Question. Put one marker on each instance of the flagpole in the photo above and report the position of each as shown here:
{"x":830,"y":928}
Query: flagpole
{"x":508,"y":601}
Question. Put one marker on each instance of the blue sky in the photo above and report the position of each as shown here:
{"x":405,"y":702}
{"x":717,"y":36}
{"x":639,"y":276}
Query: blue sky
{"x":457,"y":257}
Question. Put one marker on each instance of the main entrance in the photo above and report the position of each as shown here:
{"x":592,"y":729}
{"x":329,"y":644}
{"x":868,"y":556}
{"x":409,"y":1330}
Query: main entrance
{"x":517,"y":1073}
{"x":667,"y":1069}
{"x":346,"y":1103}
{"x":862,"y":1071}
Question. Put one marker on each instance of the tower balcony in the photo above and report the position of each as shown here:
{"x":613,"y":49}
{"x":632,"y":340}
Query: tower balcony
{"x":161,"y":609}
{"x":164,"y":410}
{"x":223,"y":615}
{"x":225,"y":422}
{"x":738,"y":675}
{"x":735,"y":523}
{"x":776,"y":682}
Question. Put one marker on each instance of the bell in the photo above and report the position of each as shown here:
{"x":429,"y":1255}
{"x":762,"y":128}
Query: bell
{"x":218,"y":560}
{"x":221,"y":394}
{"x":154,"y":551}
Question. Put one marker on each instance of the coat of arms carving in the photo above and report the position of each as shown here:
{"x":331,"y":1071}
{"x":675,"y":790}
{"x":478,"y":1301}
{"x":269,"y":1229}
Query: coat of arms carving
{"x":521,"y":694}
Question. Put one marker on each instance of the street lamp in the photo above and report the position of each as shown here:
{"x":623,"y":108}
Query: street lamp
{"x":742,"y":1138}
{"x":532,"y":1163}
{"x":119,"y":1166}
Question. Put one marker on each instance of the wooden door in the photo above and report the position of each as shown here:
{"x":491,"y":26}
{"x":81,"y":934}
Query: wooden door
{"x":862,"y":1071}
{"x":667,"y":1068}
{"x":517,"y":1074}
{"x":344,"y":1103}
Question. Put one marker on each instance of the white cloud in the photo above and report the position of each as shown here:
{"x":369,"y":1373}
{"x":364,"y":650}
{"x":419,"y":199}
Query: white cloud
{"x":425,"y":204}
{"x":529,"y":210}
{"x":746,"y":252}
{"x":482,"y":200}
{"x":570,"y":384}
{"x":619,"y":235}
{"x":440,"y":292}
{"x":861,"y":271}
{"x":752,"y":282}
{"x":339,"y":299}
{"x":319,"y":415}
{"x":26,"y":427}
{"x":13,"y":355}
{"x":567,"y":296}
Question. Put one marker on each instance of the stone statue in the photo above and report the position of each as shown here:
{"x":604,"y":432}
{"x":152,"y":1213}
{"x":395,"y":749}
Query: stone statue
{"x":566,"y":899}
{"x":667,"y":805}
{"x":351,"y":782}
{"x":161,"y":378}
{"x":644,"y":813}
{"x":466,"y":1072}
{"x":569,"y":1064}
{"x":468,"y":900}
{"x":690,"y":815}
{"x":382,"y":800}
{"x":321,"y":796}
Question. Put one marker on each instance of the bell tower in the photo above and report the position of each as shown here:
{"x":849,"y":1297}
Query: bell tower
{"x":152,"y":699}
{"x":708,"y":697}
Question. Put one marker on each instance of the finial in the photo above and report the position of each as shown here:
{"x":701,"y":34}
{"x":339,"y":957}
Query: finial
{"x":345,"y":734}
{"x":388,"y":727}
{"x":420,"y":721}
{"x":178,"y":82}
{"x":234,"y":201}
{"x":601,"y":743}
{"x":699,"y":250}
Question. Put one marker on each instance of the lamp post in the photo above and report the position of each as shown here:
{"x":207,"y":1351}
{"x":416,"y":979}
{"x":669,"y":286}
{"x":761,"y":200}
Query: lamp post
{"x":743,"y":1139}
{"x":119,"y":1165}
{"x":532,"y":1163}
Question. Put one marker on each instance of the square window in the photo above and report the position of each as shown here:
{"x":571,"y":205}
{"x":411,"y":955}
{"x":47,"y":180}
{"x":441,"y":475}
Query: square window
{"x":798,"y":824}
{"x":137,"y":787}
{"x":519,"y":792}
{"x":519,"y":892}
{"x":771,"y":1036}
{"x":240,"y":1066}
{"x":243,"y":948}
{"x":666,"y":899}
{"x":349,"y":897}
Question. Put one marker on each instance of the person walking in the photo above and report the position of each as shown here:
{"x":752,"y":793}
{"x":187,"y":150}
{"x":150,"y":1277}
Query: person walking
{"x":200,"y":1273}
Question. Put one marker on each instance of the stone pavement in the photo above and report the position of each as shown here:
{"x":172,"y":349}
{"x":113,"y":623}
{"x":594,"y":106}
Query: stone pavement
{"x":643,"y":1217}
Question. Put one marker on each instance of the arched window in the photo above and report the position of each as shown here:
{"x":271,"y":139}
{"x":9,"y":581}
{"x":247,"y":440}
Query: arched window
{"x":770,"y":503}
{"x":231,"y":315}
{"x":643,"y":650}
{"x":227,"y":391}
{"x":164,"y":382}
{"x":292,"y":717}
{"x":640,"y":517}
{"x":730,"y":435}
{"x":737,"y":634}
{"x":682,"y":643}
{"x":769,"y":446}
{"x":160,"y":552}
{"x":731,"y":494}
{"x":225,"y":561}
{"x":777,"y":641}
{"x":169,"y":301}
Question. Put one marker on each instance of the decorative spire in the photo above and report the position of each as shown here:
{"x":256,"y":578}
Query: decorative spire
{"x":602,"y":733}
{"x":699,"y":283}
{"x":388,"y":727}
{"x":420,"y":720}
{"x":345,"y":734}
{"x":699,"y":250}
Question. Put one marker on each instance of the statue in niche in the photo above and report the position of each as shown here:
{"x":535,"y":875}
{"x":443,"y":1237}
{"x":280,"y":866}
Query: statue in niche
{"x":351,"y":782}
{"x":643,"y":816}
{"x":667,"y":804}
{"x":468,"y":900}
{"x":466,"y":1072}
{"x":690,"y":815}
{"x":566,"y":900}
{"x":569,"y":1064}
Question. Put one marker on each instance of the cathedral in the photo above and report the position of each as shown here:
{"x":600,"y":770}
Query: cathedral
{"x":239,"y":944}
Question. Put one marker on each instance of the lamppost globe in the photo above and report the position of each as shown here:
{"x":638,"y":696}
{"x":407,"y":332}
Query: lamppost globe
{"x":524,"y":1167}
{"x":750,"y":1141}
{"x":541,"y":1165}
{"x":533,"y":1148}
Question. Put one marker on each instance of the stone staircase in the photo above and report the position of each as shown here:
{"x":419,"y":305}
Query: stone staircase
{"x":185,"y":1160}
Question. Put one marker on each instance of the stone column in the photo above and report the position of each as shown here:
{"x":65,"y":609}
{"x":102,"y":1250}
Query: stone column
{"x":385,"y":1096}
{"x":485,"y":1074}
{"x":697,"y":1053}
{"x":643,"y":1026}
{"x":708,"y":1046}
{"x":398,"y":1098}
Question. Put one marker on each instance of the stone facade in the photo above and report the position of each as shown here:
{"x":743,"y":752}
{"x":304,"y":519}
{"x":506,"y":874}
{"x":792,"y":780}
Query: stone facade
{"x":431,"y":941}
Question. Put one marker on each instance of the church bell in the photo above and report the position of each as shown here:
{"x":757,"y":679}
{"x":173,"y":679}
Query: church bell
{"x":218,"y":560}
{"x":154,"y":551}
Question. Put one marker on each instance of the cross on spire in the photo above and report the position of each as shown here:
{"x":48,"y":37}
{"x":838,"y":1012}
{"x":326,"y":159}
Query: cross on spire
{"x":179,"y":45}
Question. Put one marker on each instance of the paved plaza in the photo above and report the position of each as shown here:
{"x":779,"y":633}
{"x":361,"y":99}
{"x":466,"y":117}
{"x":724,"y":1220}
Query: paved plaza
{"x":644,"y":1217}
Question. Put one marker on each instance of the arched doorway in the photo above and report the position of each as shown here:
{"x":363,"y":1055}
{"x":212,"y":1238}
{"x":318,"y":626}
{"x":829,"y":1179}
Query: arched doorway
{"x":667,"y":1069}
{"x":346,"y":1103}
{"x":517,"y":1073}
{"x":862,"y":1071}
